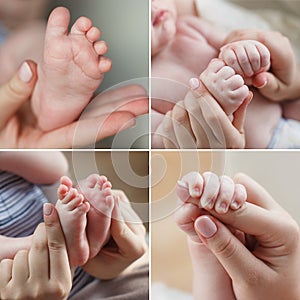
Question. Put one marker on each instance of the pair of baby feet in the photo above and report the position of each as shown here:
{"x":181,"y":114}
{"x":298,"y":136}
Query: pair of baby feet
{"x":71,"y":70}
{"x":239,"y":64}
{"x":85,"y":216}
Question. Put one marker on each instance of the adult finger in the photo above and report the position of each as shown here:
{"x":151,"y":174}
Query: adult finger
{"x":168,"y":134}
{"x":20,"y":271}
{"x":135,"y":106}
{"x":125,"y":238}
{"x":38,"y":255}
{"x":130,"y":217}
{"x":240,"y":116}
{"x":269,"y":227}
{"x":219,"y":130}
{"x":88,"y":131}
{"x":182,"y":127}
{"x":121,"y":95}
{"x":268,"y":85}
{"x":203,"y":133}
{"x":18,"y":90}
{"x":237,"y":260}
{"x":58,"y":256}
{"x":6,"y":266}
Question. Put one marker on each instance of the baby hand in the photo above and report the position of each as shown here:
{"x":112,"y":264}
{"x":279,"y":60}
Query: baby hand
{"x":210,"y":191}
{"x":227,"y":87}
{"x":247,"y":58}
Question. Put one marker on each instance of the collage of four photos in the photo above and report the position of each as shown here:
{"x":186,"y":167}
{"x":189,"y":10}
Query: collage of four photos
{"x":149,"y":149}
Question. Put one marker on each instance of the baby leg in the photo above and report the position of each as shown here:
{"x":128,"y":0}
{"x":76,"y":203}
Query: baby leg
{"x":72,"y":210}
{"x":247,"y":58}
{"x":209,"y":191}
{"x":97,"y":191}
{"x":227,"y":87}
{"x":71,"y":70}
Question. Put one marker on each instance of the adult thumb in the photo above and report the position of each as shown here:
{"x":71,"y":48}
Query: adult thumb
{"x":268,"y":85}
{"x":16,"y":91}
{"x":236,"y":259}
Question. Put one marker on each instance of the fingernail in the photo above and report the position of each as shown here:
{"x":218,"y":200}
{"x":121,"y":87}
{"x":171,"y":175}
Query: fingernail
{"x":48,"y":208}
{"x":264,"y":84}
{"x":25,"y":73}
{"x":182,"y":184}
{"x":222,"y":208}
{"x":206,"y":227}
{"x":234,"y":205}
{"x":194,"y":83}
{"x":195,"y":192}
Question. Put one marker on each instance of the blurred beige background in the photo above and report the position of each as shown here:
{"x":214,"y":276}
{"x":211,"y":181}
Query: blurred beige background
{"x":278,"y":172}
{"x":125,"y":28}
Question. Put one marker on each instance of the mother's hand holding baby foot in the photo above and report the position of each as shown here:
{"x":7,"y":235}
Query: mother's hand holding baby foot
{"x":19,"y":128}
{"x":43,"y":272}
{"x":127,"y":246}
{"x":268,"y":268}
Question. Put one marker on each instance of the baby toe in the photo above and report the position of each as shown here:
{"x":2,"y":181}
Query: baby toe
{"x":101,"y":47}
{"x":81,"y":26}
{"x":105,"y":64}
{"x":93,"y":34}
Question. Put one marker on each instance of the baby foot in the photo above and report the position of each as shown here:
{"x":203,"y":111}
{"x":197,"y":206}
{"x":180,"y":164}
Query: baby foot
{"x":227,"y":87}
{"x":247,"y":58}
{"x":71,"y":70}
{"x":97,"y":191}
{"x":211,"y":192}
{"x":72,"y":210}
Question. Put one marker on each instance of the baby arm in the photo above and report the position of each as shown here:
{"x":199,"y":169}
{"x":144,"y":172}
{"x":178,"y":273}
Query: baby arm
{"x":36,"y":167}
{"x":247,"y":57}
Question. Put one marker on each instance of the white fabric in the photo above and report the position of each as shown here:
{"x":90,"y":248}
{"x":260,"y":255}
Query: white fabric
{"x":286,"y":135}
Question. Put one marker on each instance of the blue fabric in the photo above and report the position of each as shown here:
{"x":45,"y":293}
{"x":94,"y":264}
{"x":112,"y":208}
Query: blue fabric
{"x":3,"y":33}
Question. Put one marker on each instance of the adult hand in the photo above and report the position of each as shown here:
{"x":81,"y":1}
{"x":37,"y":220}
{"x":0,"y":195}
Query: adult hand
{"x":270,"y":268}
{"x":211,"y":281}
{"x":127,"y":242}
{"x":200,"y":122}
{"x":43,"y":272}
{"x":282,"y":82}
{"x":18,"y":125}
